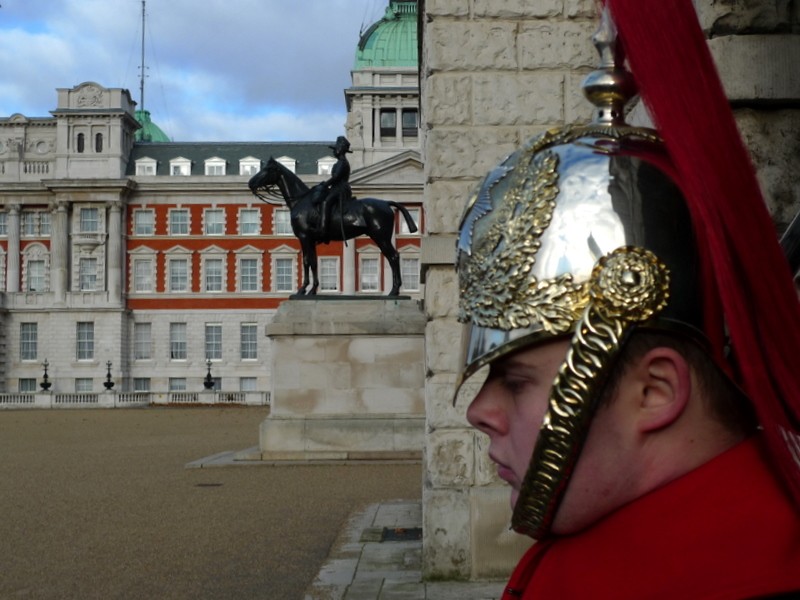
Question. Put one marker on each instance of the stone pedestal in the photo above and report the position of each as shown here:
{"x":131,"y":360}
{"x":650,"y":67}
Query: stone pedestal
{"x":348,"y":380}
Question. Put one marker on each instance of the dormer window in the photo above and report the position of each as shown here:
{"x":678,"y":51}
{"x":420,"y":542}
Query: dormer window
{"x":325,"y":165}
{"x":288,"y":162}
{"x":249,"y":166}
{"x":146,"y":166}
{"x":180,"y":167}
{"x":215,"y":166}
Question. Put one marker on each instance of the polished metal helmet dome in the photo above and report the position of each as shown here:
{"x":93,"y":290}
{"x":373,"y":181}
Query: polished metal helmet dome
{"x":581,"y":233}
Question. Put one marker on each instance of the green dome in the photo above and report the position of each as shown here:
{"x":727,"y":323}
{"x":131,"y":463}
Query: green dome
{"x":150,"y":132}
{"x":392,"y":41}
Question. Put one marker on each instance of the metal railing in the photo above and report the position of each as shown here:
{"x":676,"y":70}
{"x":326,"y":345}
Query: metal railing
{"x":115,"y":399}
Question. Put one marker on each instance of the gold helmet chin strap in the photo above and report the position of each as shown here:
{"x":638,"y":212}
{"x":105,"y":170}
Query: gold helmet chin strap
{"x":628,"y":287}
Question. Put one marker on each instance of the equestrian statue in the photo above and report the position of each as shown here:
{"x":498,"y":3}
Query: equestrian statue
{"x":329,"y":212}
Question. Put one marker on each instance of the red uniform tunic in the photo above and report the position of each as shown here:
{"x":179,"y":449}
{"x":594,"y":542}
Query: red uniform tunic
{"x":725,"y":530}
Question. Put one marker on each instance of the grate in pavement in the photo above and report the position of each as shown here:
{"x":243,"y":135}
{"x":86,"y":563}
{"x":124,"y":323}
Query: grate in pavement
{"x":401,"y":534}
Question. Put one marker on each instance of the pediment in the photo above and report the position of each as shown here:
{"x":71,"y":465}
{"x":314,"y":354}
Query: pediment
{"x":403,"y":169}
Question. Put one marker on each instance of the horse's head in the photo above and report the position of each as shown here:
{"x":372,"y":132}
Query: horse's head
{"x":266,"y":179}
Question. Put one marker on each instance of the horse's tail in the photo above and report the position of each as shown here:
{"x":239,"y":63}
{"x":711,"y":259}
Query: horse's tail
{"x":412,"y":227}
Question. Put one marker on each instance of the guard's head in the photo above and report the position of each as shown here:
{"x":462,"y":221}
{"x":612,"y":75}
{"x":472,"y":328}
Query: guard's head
{"x":582,"y":233}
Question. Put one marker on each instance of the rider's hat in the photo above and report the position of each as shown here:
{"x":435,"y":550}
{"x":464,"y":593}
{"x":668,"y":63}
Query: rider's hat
{"x":593,"y":232}
{"x":342,"y":145}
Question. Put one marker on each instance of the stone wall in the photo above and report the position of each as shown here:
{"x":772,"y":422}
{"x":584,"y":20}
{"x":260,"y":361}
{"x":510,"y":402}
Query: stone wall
{"x":493,"y":75}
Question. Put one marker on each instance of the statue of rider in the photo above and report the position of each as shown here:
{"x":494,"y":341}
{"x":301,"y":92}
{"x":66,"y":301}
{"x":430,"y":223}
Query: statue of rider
{"x":335,"y":188}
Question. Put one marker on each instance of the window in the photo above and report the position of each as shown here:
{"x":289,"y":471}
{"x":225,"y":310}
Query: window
{"x":248,"y":384}
{"x":325,"y":165}
{"x":85,"y":340}
{"x":89,"y":220}
{"x":178,"y":275}
{"x":81,"y":143}
{"x":98,"y":142}
{"x":388,"y":124}
{"x":145,"y":167}
{"x":284,"y":275}
{"x":414,"y":212}
{"x":213,"y":274}
{"x":409,"y":272}
{"x":283,"y":225}
{"x":248,"y":274}
{"x":143,"y":275}
{"x":142,"y":341}
{"x":177,"y":341}
{"x":288,"y":162}
{"x":370,"y":278}
{"x":329,"y":273}
{"x":177,"y":384}
{"x":83,"y":384}
{"x":44,"y":223}
{"x":180,"y":167}
{"x":27,"y":385}
{"x":28,"y":223}
{"x":141,"y":384}
{"x":410,"y":122}
{"x":179,"y":221}
{"x":3,"y":223}
{"x":248,"y":341}
{"x":28,"y":341}
{"x":215,"y":166}
{"x":249,"y":166}
{"x":36,"y":279}
{"x":213,"y":341}
{"x":87,"y":271}
{"x":143,"y":222}
{"x":249,"y":221}
{"x":214,"y":221}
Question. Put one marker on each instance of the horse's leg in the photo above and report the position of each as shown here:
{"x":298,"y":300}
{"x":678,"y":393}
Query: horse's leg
{"x":384,"y":240}
{"x":304,"y":246}
{"x":312,"y":263}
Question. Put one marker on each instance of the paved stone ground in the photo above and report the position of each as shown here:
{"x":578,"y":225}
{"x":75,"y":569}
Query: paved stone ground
{"x":99,"y":504}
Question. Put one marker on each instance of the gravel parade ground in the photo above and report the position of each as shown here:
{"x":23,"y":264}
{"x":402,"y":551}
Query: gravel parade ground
{"x":99,"y":504}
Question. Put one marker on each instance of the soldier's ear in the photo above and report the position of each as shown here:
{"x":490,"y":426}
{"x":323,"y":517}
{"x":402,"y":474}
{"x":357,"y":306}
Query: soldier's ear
{"x":663,"y":383}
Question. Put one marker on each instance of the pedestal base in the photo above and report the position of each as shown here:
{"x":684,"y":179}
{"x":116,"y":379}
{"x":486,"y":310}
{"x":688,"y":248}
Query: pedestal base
{"x":347,"y":381}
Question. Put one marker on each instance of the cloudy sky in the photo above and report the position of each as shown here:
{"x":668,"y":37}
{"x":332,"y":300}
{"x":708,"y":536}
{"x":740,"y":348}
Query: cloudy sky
{"x":217,"y":70}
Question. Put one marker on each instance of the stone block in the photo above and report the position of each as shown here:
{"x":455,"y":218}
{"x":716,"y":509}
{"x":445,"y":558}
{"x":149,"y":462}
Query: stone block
{"x":440,"y":410}
{"x":447,"y":8}
{"x":446,"y":205}
{"x":441,"y":292}
{"x":586,"y":9}
{"x":468,"y":153}
{"x":485,"y":469}
{"x":773,"y":139}
{"x":449,"y":99}
{"x":449,"y":458}
{"x":577,"y":109}
{"x":496,"y":549}
{"x":515,"y":98}
{"x":725,"y":17}
{"x":297,"y":402}
{"x":470,"y":45}
{"x":393,"y":401}
{"x":557,"y":45}
{"x":445,"y":539}
{"x":443,"y":345}
{"x":517,"y":9}
{"x":758,"y":68}
{"x":286,"y":435}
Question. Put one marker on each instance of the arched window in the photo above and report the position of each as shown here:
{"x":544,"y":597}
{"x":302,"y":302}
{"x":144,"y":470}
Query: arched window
{"x":98,"y":142}
{"x":81,"y":142}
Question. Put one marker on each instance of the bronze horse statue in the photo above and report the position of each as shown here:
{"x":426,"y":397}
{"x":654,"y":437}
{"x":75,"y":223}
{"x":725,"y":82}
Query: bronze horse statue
{"x":368,"y":216}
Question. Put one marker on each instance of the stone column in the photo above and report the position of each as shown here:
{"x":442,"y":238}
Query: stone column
{"x":12,"y":283}
{"x":114,"y":264}
{"x":349,"y":269}
{"x":376,"y":127}
{"x":59,"y":252}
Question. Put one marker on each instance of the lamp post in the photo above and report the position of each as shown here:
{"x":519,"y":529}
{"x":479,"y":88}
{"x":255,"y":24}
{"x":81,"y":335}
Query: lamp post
{"x":208,"y":382}
{"x":108,"y":383}
{"x":45,"y":384}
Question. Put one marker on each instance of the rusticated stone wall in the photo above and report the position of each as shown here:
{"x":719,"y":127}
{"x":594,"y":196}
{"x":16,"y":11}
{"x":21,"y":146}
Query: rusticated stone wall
{"x":493,"y":75}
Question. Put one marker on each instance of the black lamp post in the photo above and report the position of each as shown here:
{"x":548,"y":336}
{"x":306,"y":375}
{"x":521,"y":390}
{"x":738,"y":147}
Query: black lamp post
{"x":45,"y":384}
{"x":108,"y":383}
{"x":208,"y":382}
